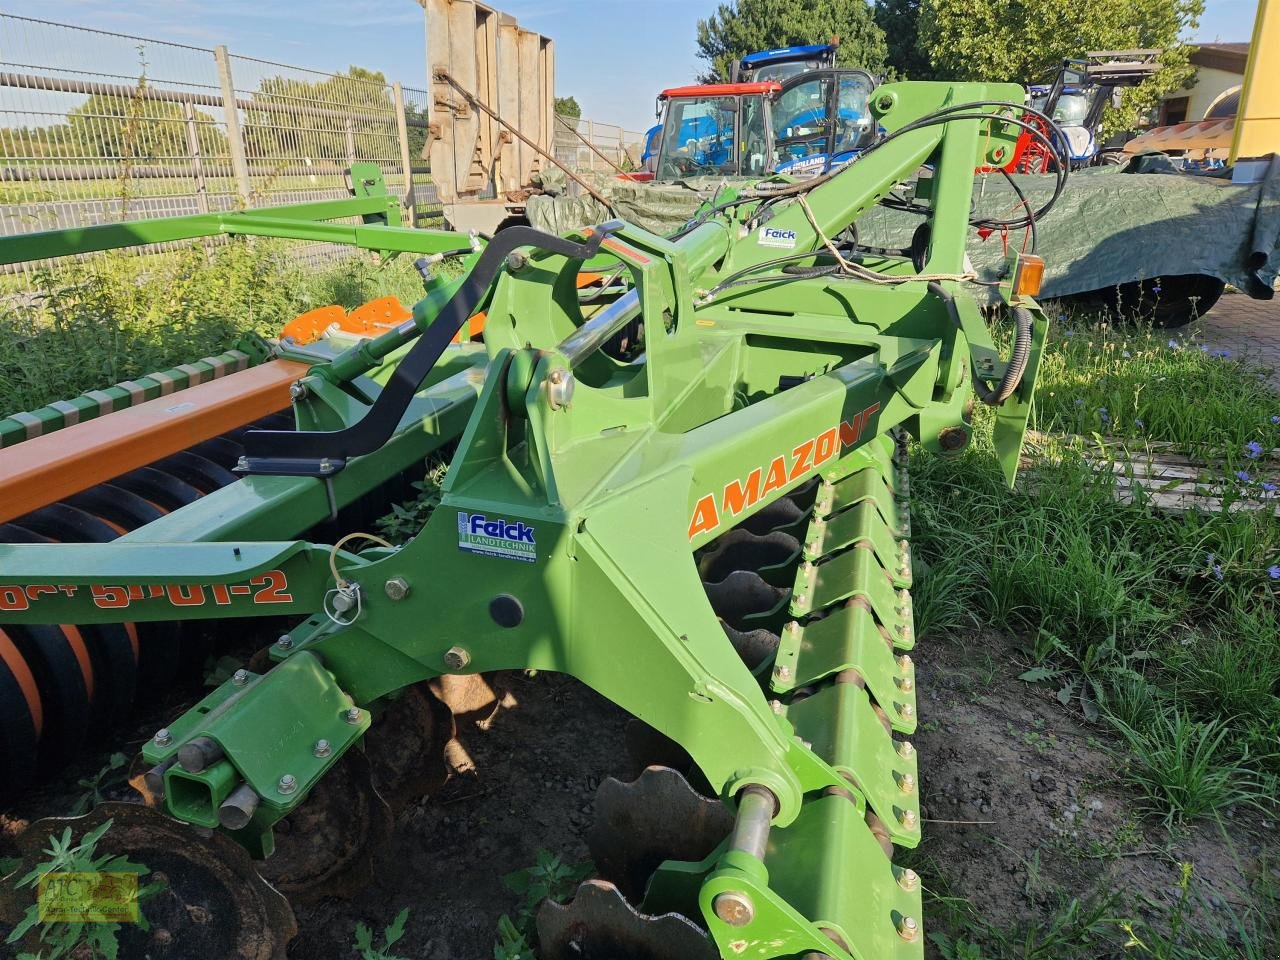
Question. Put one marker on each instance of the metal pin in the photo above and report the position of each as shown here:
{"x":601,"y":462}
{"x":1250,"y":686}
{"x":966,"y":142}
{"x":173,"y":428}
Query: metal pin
{"x":734,"y":907}
{"x":154,"y":778}
{"x":237,"y":810}
{"x":199,"y":754}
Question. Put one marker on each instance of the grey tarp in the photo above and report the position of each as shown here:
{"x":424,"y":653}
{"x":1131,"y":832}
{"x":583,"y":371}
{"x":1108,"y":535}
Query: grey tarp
{"x":1108,"y":227}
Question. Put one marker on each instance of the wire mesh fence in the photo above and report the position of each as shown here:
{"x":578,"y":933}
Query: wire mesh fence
{"x":162,"y":129}
{"x":99,"y":127}
{"x":587,"y":145}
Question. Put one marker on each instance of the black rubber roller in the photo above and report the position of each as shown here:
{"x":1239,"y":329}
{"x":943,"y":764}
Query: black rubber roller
{"x":21,"y":717}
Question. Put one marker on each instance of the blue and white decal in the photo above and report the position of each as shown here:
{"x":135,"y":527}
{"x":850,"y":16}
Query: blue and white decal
{"x":496,"y":537}
{"x":774,"y":237}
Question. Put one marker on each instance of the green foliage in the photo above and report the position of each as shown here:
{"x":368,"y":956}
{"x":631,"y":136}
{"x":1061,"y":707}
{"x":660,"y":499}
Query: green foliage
{"x":745,"y":26}
{"x":136,"y":128}
{"x":1024,"y":41}
{"x":548,"y":879}
{"x":568,"y":107}
{"x":113,"y":773}
{"x":1184,"y":769}
{"x":1126,"y":610}
{"x":393,"y":932}
{"x":900,"y":21}
{"x":84,"y":941}
{"x":119,"y":316}
{"x":406,"y":519}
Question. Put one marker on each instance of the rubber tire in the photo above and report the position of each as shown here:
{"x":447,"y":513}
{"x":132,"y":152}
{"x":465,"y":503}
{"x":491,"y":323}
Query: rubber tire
{"x":1181,"y":299}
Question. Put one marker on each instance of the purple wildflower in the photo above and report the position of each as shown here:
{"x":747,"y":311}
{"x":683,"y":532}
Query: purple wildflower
{"x":1124,"y":353}
{"x":1273,"y":572}
{"x":1138,"y":423}
{"x":1268,"y":487}
{"x":1242,"y":476}
{"x":1155,"y":288}
{"x":1079,"y":402}
{"x":1217,"y":571}
{"x":1276,"y":418}
{"x":1068,"y":333}
{"x":1222,"y":354}
{"x":1175,"y":345}
{"x":1254,"y":449}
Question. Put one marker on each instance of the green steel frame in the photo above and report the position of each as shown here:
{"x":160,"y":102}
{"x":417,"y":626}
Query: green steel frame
{"x":580,"y":487}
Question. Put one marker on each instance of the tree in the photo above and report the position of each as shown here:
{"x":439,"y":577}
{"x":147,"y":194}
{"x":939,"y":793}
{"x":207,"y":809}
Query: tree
{"x":115,"y":127}
{"x":568,"y":107}
{"x":1026,"y":40}
{"x":345,"y":114}
{"x":745,"y":26}
{"x":899,"y":20}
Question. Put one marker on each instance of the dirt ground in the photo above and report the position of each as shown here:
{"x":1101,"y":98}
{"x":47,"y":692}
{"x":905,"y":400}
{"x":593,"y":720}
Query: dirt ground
{"x":1021,"y":801}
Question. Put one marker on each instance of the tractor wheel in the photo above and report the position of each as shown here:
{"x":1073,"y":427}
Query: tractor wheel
{"x":1161,"y":302}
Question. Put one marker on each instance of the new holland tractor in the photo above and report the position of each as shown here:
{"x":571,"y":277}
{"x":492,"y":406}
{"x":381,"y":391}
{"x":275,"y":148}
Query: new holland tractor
{"x":684,"y":485}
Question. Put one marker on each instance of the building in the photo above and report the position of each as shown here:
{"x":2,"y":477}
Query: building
{"x":1216,"y":91}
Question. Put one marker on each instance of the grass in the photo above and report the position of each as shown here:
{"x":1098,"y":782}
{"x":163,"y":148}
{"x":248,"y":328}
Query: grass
{"x":1164,"y":623}
{"x":118,"y":316}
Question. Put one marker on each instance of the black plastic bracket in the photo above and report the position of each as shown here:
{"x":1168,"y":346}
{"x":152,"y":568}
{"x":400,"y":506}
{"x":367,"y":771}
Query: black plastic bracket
{"x":323,"y":453}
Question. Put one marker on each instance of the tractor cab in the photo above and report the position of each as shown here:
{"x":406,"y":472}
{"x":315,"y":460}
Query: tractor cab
{"x":816,"y":120}
{"x":784,"y":63}
{"x":1081,"y":91}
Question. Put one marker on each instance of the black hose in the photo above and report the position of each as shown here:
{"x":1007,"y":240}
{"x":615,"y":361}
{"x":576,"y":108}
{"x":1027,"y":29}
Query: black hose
{"x":1018,"y":357}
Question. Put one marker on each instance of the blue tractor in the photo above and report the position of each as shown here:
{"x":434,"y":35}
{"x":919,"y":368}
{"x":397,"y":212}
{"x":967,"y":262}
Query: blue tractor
{"x":788,"y":110}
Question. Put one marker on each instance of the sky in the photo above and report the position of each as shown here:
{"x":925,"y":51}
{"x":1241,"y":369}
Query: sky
{"x":612,"y":55}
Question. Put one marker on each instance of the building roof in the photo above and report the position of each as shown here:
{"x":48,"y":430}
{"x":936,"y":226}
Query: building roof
{"x":1230,"y":57}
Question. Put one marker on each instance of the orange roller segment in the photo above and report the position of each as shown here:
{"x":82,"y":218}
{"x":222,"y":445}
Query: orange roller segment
{"x":26,"y":680}
{"x":375,"y":317}
{"x":75,"y":640}
{"x":307,"y":327}
{"x":44,"y":469}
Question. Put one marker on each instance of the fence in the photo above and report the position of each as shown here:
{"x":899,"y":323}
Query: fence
{"x":98,"y":127}
{"x":614,"y":148}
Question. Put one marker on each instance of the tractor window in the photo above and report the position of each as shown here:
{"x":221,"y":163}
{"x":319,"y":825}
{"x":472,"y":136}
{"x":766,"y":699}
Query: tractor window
{"x":855,"y":128}
{"x":1072,"y":108}
{"x":800,"y":120}
{"x":699,"y":136}
{"x":755,"y":145}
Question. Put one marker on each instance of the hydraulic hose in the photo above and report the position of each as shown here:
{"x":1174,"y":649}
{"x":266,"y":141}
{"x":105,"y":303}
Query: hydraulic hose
{"x":1024,"y":326}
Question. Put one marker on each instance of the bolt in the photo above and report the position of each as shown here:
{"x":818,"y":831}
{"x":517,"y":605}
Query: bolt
{"x":783,"y":672}
{"x":907,"y":684}
{"x":557,"y":376}
{"x":904,"y":662}
{"x":908,"y":819}
{"x":322,"y":749}
{"x":288,"y":783}
{"x":242,"y":463}
{"x":297,"y":390}
{"x":908,"y":879}
{"x":456,"y":658}
{"x":776,"y":706}
{"x":906,"y":783}
{"x":905,"y":709}
{"x":953,"y":438}
{"x":285,"y":642}
{"x":905,"y":749}
{"x":163,"y":737}
{"x":326,"y":465}
{"x":352,"y":716}
{"x":240,"y":678}
{"x":908,"y":929}
{"x":734,"y":908}
{"x":397,"y":588}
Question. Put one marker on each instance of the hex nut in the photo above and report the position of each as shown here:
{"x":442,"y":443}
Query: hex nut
{"x":288,"y":783}
{"x":397,"y":588}
{"x":163,"y":737}
{"x":456,"y":658}
{"x":322,"y":749}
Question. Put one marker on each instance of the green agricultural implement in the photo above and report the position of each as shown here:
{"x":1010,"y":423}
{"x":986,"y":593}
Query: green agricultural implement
{"x":686,"y":489}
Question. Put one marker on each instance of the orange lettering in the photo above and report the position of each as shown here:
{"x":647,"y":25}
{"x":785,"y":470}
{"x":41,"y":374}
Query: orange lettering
{"x":802,"y":465}
{"x":827,"y":445}
{"x":705,"y":516}
{"x":738,"y":495}
{"x":777,"y":478}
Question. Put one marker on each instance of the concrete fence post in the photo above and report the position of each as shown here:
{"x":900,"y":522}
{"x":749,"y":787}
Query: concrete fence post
{"x":235,"y":137}
{"x":402,"y":131}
